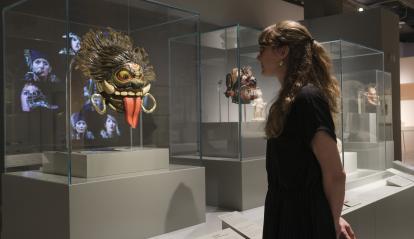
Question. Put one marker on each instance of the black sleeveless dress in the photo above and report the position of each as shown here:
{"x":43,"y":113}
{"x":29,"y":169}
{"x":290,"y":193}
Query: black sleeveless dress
{"x":296,"y":206}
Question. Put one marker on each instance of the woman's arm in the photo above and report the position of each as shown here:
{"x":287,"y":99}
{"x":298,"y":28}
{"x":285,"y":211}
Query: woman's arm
{"x":333,"y":176}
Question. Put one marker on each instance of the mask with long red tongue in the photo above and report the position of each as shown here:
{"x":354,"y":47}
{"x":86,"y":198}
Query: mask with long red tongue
{"x":132,"y":106}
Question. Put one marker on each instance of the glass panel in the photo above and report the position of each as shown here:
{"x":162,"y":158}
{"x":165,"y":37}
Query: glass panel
{"x":154,"y":37}
{"x":220,"y":115}
{"x":363,"y":85}
{"x":91,"y":130}
{"x":60,"y":115}
{"x":35,"y":84}
{"x":184,"y":97}
{"x":235,"y":96}
{"x":257,"y":93}
{"x":386,"y":116}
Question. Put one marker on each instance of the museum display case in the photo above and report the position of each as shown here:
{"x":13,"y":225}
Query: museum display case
{"x":184,"y":101}
{"x":93,"y":93}
{"x":235,"y":95}
{"x":364,"y":125}
{"x":232,"y":123}
{"x":234,"y":100}
{"x":53,"y":109}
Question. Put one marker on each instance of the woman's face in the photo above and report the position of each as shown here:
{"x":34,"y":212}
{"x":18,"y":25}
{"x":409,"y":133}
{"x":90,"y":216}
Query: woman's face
{"x":270,"y":58}
{"x":97,"y":101}
{"x":41,"y":67}
{"x":80,"y":126}
{"x":110,"y":125}
{"x":75,"y":44}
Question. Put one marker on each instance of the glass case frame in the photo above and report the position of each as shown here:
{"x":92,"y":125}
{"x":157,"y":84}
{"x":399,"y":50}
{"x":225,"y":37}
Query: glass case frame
{"x":364,"y":125}
{"x":233,"y":114}
{"x":49,"y":32}
{"x":225,"y":128}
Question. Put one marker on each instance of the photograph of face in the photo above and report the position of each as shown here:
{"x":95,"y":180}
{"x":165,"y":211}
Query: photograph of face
{"x":110,"y":125}
{"x":111,"y":129}
{"x":75,"y":43}
{"x":41,"y":67}
{"x":88,"y":90}
{"x":31,"y":97}
{"x":80,"y":127}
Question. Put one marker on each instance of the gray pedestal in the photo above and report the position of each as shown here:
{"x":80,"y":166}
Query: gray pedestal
{"x":236,"y":185}
{"x":384,"y":211}
{"x":129,"y":206}
{"x":222,"y":139}
{"x":89,"y":164}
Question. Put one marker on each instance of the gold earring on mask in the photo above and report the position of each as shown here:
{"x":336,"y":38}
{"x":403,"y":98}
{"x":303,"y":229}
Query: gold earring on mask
{"x":96,"y":106}
{"x":280,"y":63}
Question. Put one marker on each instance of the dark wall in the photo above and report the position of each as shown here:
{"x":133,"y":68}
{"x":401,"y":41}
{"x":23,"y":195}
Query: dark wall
{"x":3,"y":4}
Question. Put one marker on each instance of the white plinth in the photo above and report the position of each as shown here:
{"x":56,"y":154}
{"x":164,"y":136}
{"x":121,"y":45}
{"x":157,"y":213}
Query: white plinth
{"x":350,"y":162}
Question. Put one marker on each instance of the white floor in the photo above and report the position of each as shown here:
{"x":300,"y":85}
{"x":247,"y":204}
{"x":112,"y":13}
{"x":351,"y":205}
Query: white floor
{"x":211,"y":225}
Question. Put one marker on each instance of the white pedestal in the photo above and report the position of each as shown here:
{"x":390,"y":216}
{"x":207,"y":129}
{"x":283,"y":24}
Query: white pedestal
{"x":350,"y":162}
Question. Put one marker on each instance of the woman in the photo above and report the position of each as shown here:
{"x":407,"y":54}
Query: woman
{"x":305,"y":176}
{"x":80,"y":127}
{"x":111,"y":129}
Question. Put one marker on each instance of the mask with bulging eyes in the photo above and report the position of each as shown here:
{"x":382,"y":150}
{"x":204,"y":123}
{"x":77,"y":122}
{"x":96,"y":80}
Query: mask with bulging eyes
{"x":241,"y":89}
{"x":32,"y":97}
{"x":122,"y":73}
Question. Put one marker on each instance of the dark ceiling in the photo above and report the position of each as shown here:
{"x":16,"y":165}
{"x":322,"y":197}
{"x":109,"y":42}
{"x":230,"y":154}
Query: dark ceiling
{"x":403,"y":8}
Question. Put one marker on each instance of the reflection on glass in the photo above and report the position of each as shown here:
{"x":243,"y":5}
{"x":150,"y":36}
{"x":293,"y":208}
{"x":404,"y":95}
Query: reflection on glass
{"x":40,"y":69}
{"x":32,"y":97}
{"x":74,"y":41}
{"x":111,"y":129}
{"x":39,"y":76}
{"x":80,"y":127}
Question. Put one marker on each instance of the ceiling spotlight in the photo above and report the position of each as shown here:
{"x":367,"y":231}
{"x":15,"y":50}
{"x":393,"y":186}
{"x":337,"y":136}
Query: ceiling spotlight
{"x":360,"y":9}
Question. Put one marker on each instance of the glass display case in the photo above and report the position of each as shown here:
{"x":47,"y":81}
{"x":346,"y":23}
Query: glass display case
{"x":60,"y":110}
{"x":364,"y":125}
{"x":235,"y":98}
{"x":234,"y":94}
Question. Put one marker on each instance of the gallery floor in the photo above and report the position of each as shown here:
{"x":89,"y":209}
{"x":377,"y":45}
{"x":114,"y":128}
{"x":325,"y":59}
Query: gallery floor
{"x":212,"y":224}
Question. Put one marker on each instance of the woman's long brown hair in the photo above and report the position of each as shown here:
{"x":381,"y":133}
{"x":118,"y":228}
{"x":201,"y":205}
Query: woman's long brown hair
{"x":307,"y":62}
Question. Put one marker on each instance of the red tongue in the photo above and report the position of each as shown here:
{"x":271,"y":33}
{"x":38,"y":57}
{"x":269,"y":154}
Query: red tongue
{"x":132,"y":107}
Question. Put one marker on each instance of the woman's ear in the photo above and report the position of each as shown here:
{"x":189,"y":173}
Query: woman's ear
{"x":283,"y":51}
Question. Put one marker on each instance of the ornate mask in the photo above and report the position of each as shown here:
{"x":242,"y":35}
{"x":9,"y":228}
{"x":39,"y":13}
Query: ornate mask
{"x":243,"y":87}
{"x":122,"y":73}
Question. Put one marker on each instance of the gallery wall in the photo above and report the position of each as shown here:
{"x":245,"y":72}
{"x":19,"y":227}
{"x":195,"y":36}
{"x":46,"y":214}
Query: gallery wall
{"x":258,"y":14}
